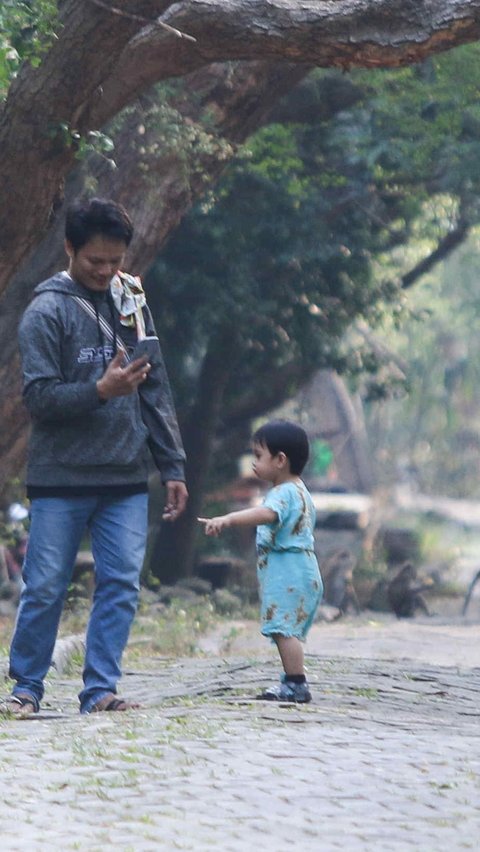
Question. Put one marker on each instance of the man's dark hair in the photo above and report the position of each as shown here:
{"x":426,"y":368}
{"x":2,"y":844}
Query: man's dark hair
{"x":283,"y":436}
{"x":97,"y":217}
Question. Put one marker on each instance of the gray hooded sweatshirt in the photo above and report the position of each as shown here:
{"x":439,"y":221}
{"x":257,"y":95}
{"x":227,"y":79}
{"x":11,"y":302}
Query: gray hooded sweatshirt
{"x":79,"y":442}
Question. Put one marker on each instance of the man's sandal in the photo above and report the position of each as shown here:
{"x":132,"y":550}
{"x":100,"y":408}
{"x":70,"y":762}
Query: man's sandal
{"x":109,"y":703}
{"x":21,"y":706}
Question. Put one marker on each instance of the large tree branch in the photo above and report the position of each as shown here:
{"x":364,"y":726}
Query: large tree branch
{"x":343,"y":34}
{"x":446,"y":245}
{"x":101,"y":60}
{"x":43,"y":106}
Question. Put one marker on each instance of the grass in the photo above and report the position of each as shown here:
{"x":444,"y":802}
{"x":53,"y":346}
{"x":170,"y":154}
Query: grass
{"x":158,"y":630}
{"x":365,"y":692}
{"x":170,"y":631}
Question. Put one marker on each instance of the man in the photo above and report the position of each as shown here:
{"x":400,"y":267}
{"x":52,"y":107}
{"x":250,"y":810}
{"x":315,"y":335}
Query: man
{"x":97,"y":416}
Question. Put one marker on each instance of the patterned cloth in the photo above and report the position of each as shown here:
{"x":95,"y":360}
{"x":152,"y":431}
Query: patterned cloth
{"x":291,"y":587}
{"x":129,"y":299}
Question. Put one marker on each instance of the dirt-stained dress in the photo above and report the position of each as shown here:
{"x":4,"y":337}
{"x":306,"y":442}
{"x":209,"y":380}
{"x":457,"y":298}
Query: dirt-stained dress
{"x":291,"y":587}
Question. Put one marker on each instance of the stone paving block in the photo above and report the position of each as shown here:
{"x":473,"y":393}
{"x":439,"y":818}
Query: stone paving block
{"x":391,"y":768}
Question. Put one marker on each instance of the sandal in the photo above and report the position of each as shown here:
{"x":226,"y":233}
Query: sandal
{"x":21,"y":705}
{"x":111,"y":703}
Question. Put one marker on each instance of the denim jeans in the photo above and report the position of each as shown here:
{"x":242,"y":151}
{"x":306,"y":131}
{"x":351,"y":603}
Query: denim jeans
{"x":118,"y":528}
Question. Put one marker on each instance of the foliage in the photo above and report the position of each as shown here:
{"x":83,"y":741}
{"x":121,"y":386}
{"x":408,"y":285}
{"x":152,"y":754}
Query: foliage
{"x":27,"y":30}
{"x":163,"y":134}
{"x":421,"y":135}
{"x":309,"y":233}
{"x":172,"y":630}
{"x":307,"y":226}
{"x":430,"y":438}
{"x":279,"y":255}
{"x":93,"y":142}
{"x":424,"y":120}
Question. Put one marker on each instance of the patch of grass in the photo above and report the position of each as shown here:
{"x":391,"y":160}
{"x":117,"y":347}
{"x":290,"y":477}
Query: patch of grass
{"x":166,"y":631}
{"x":172,"y":631}
{"x":74,"y":665}
{"x":365,"y":692}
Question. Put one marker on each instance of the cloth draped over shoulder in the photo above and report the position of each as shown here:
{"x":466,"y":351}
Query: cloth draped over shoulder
{"x":129,"y":299}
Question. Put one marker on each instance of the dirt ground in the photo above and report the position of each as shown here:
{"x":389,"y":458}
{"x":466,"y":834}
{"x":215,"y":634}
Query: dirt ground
{"x":444,"y":639}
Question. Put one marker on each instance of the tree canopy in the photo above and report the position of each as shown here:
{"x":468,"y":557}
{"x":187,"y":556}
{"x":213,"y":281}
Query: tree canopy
{"x":304,"y":232}
{"x":98,"y":57}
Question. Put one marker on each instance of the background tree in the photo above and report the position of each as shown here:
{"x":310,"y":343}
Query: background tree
{"x":428,"y":434}
{"x":85,"y":62}
{"x":98,"y":58}
{"x":66,"y":69}
{"x":255,"y":290}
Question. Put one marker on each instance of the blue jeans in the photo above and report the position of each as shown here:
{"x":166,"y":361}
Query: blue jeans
{"x":118,"y":528}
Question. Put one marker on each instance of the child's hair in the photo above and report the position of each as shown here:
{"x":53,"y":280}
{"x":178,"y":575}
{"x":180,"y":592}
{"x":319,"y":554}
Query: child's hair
{"x":283,"y":436}
{"x":97,"y":217}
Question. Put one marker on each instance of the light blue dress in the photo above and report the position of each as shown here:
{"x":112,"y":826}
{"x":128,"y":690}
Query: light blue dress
{"x":291,"y":587}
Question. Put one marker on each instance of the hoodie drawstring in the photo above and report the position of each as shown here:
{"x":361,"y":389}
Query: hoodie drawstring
{"x":101,"y":338}
{"x":114,"y":322}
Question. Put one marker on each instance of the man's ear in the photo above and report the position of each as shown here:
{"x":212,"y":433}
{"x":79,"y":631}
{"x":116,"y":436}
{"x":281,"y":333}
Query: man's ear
{"x":69,"y":248}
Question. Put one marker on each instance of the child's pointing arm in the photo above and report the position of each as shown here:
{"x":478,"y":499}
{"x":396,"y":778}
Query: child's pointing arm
{"x":244,"y":518}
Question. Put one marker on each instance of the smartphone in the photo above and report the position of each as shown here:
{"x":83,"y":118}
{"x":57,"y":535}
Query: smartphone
{"x":148,"y":346}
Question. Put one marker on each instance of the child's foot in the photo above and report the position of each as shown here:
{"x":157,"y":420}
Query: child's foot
{"x":297,"y":693}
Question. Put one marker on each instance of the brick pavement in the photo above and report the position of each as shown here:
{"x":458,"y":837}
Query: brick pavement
{"x":386,"y":758}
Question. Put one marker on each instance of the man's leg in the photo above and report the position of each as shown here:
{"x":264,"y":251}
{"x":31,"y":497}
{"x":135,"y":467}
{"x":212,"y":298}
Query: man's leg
{"x":119,"y":531}
{"x":57,"y":525}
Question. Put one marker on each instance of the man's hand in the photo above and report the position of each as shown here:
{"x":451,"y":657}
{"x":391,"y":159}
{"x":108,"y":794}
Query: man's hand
{"x":120,"y":380}
{"x":177,"y":496}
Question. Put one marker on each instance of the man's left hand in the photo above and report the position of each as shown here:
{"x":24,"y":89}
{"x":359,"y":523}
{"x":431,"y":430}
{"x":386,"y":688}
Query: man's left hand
{"x":177,"y":496}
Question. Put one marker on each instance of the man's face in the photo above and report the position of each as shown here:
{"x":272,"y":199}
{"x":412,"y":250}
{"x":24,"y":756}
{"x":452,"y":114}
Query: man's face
{"x":95,"y":264}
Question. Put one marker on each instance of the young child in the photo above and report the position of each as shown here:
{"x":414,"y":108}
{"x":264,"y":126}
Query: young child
{"x":290,"y":583}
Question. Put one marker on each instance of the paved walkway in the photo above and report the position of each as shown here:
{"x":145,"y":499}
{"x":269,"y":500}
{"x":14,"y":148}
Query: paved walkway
{"x":386,"y":758}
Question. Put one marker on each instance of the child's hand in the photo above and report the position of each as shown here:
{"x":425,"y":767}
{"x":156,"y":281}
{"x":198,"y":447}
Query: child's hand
{"x":214,"y":526}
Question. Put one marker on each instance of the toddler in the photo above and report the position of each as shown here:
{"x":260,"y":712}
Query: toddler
{"x":289,"y":578}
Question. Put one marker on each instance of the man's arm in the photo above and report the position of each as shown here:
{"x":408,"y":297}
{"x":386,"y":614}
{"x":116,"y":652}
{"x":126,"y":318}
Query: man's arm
{"x":46,"y":393}
{"x":158,"y":414}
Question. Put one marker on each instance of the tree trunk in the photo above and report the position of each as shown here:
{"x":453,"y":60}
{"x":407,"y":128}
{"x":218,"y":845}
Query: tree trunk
{"x":173,"y":553}
{"x":334,"y":416}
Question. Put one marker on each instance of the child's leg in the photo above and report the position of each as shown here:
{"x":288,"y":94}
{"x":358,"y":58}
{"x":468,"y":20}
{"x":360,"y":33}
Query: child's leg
{"x":293,"y":686}
{"x":291,"y":654}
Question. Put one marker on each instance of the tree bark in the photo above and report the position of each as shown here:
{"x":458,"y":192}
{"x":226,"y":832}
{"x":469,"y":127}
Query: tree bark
{"x":101,"y":60}
{"x":333,"y":415}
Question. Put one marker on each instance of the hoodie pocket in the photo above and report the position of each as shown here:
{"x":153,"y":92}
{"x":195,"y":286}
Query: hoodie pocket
{"x":112,"y":435}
